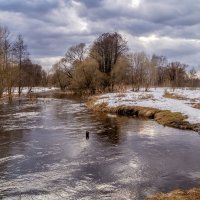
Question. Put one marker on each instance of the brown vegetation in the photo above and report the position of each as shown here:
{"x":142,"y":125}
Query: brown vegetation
{"x":174,"y":96}
{"x":107,"y":66}
{"x":167,"y":117}
{"x":178,"y":97}
{"x":16,"y":69}
{"x":120,"y":95}
{"x":147,"y":96}
{"x":193,"y":194}
{"x":164,"y":117}
{"x":197,"y":106}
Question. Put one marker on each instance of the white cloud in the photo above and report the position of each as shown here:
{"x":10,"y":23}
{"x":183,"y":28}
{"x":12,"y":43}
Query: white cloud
{"x":47,"y":62}
{"x":135,"y":3}
{"x":67,"y":18}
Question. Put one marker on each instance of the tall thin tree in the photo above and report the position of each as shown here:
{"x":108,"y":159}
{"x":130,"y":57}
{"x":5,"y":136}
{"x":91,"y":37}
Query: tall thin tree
{"x":21,"y":54}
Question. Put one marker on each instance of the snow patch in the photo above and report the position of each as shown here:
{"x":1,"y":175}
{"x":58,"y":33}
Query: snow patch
{"x":25,"y":90}
{"x":154,"y":99}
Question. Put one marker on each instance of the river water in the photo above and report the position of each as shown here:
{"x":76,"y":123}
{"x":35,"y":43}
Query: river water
{"x":44,"y":153}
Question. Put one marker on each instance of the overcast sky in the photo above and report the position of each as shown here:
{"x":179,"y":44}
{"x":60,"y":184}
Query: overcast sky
{"x":166,"y":27}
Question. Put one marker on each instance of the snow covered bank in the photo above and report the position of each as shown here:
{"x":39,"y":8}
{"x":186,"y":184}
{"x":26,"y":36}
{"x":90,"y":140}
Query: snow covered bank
{"x":25,"y":90}
{"x":155,"y":99}
{"x":174,"y":110}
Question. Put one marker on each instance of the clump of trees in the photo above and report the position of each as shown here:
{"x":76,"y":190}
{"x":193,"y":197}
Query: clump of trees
{"x":16,"y":68}
{"x":107,"y":65}
{"x":95,"y":69}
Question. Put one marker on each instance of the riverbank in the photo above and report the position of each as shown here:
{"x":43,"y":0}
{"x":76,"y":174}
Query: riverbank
{"x":174,"y":109}
{"x":26,"y":92}
{"x":193,"y":194}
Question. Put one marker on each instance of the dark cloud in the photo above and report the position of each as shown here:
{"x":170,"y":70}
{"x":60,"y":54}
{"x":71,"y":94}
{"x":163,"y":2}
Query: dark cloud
{"x":49,"y":27}
{"x":90,"y":3}
{"x":28,"y":6}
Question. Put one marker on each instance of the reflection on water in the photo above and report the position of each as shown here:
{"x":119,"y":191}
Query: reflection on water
{"x":44,"y":153}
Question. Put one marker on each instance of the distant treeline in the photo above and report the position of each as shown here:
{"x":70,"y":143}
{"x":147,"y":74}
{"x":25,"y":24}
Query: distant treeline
{"x":16,"y":69}
{"x":108,"y":65}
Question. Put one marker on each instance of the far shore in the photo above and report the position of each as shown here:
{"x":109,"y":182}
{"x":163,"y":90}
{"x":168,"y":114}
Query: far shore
{"x":168,"y":109}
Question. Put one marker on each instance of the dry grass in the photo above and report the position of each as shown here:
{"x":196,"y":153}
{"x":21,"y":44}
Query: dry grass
{"x":166,"y":117}
{"x":104,"y":97}
{"x":91,"y":103}
{"x":194,"y":100}
{"x":174,"y":96}
{"x":147,"y":96}
{"x":197,"y":106}
{"x":178,"y":97}
{"x":193,"y":194}
{"x":120,"y":95}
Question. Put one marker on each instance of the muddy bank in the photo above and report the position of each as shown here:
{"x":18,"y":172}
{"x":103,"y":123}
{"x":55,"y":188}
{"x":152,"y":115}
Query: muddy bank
{"x":164,"y":117}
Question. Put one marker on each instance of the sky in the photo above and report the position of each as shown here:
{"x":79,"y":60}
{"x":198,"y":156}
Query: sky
{"x":49,"y":27}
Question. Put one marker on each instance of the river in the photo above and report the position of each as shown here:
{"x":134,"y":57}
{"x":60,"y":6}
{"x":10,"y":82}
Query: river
{"x":44,"y":153}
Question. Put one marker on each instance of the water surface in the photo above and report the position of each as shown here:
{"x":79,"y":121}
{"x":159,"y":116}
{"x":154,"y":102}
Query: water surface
{"x":44,"y":153}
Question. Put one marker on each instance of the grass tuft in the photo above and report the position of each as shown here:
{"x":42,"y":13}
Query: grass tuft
{"x":167,"y":117}
{"x":174,"y":96}
{"x":197,"y":106}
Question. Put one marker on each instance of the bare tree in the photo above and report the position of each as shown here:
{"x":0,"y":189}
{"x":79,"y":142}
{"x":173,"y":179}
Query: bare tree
{"x":2,"y":59}
{"x":16,"y":70}
{"x":76,"y":53}
{"x":63,"y":70}
{"x":107,"y":50}
{"x":86,"y":77}
{"x":20,"y":53}
{"x":177,"y":74}
{"x":192,"y":76}
{"x":32,"y":75}
{"x":7,"y":66}
{"x":121,"y":74}
{"x":139,"y":63}
{"x":160,"y":64}
{"x":60,"y":76}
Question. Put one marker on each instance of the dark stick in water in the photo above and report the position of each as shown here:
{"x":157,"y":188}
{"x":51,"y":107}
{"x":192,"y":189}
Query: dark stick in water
{"x":87,"y":135}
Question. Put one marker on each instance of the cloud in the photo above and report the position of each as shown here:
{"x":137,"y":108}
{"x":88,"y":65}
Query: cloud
{"x":46,"y":61}
{"x":29,"y":6}
{"x":90,"y":3}
{"x":50,"y":27}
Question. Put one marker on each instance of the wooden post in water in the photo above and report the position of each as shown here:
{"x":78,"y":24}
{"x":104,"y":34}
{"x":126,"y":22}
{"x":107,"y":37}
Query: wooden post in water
{"x":87,"y":135}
